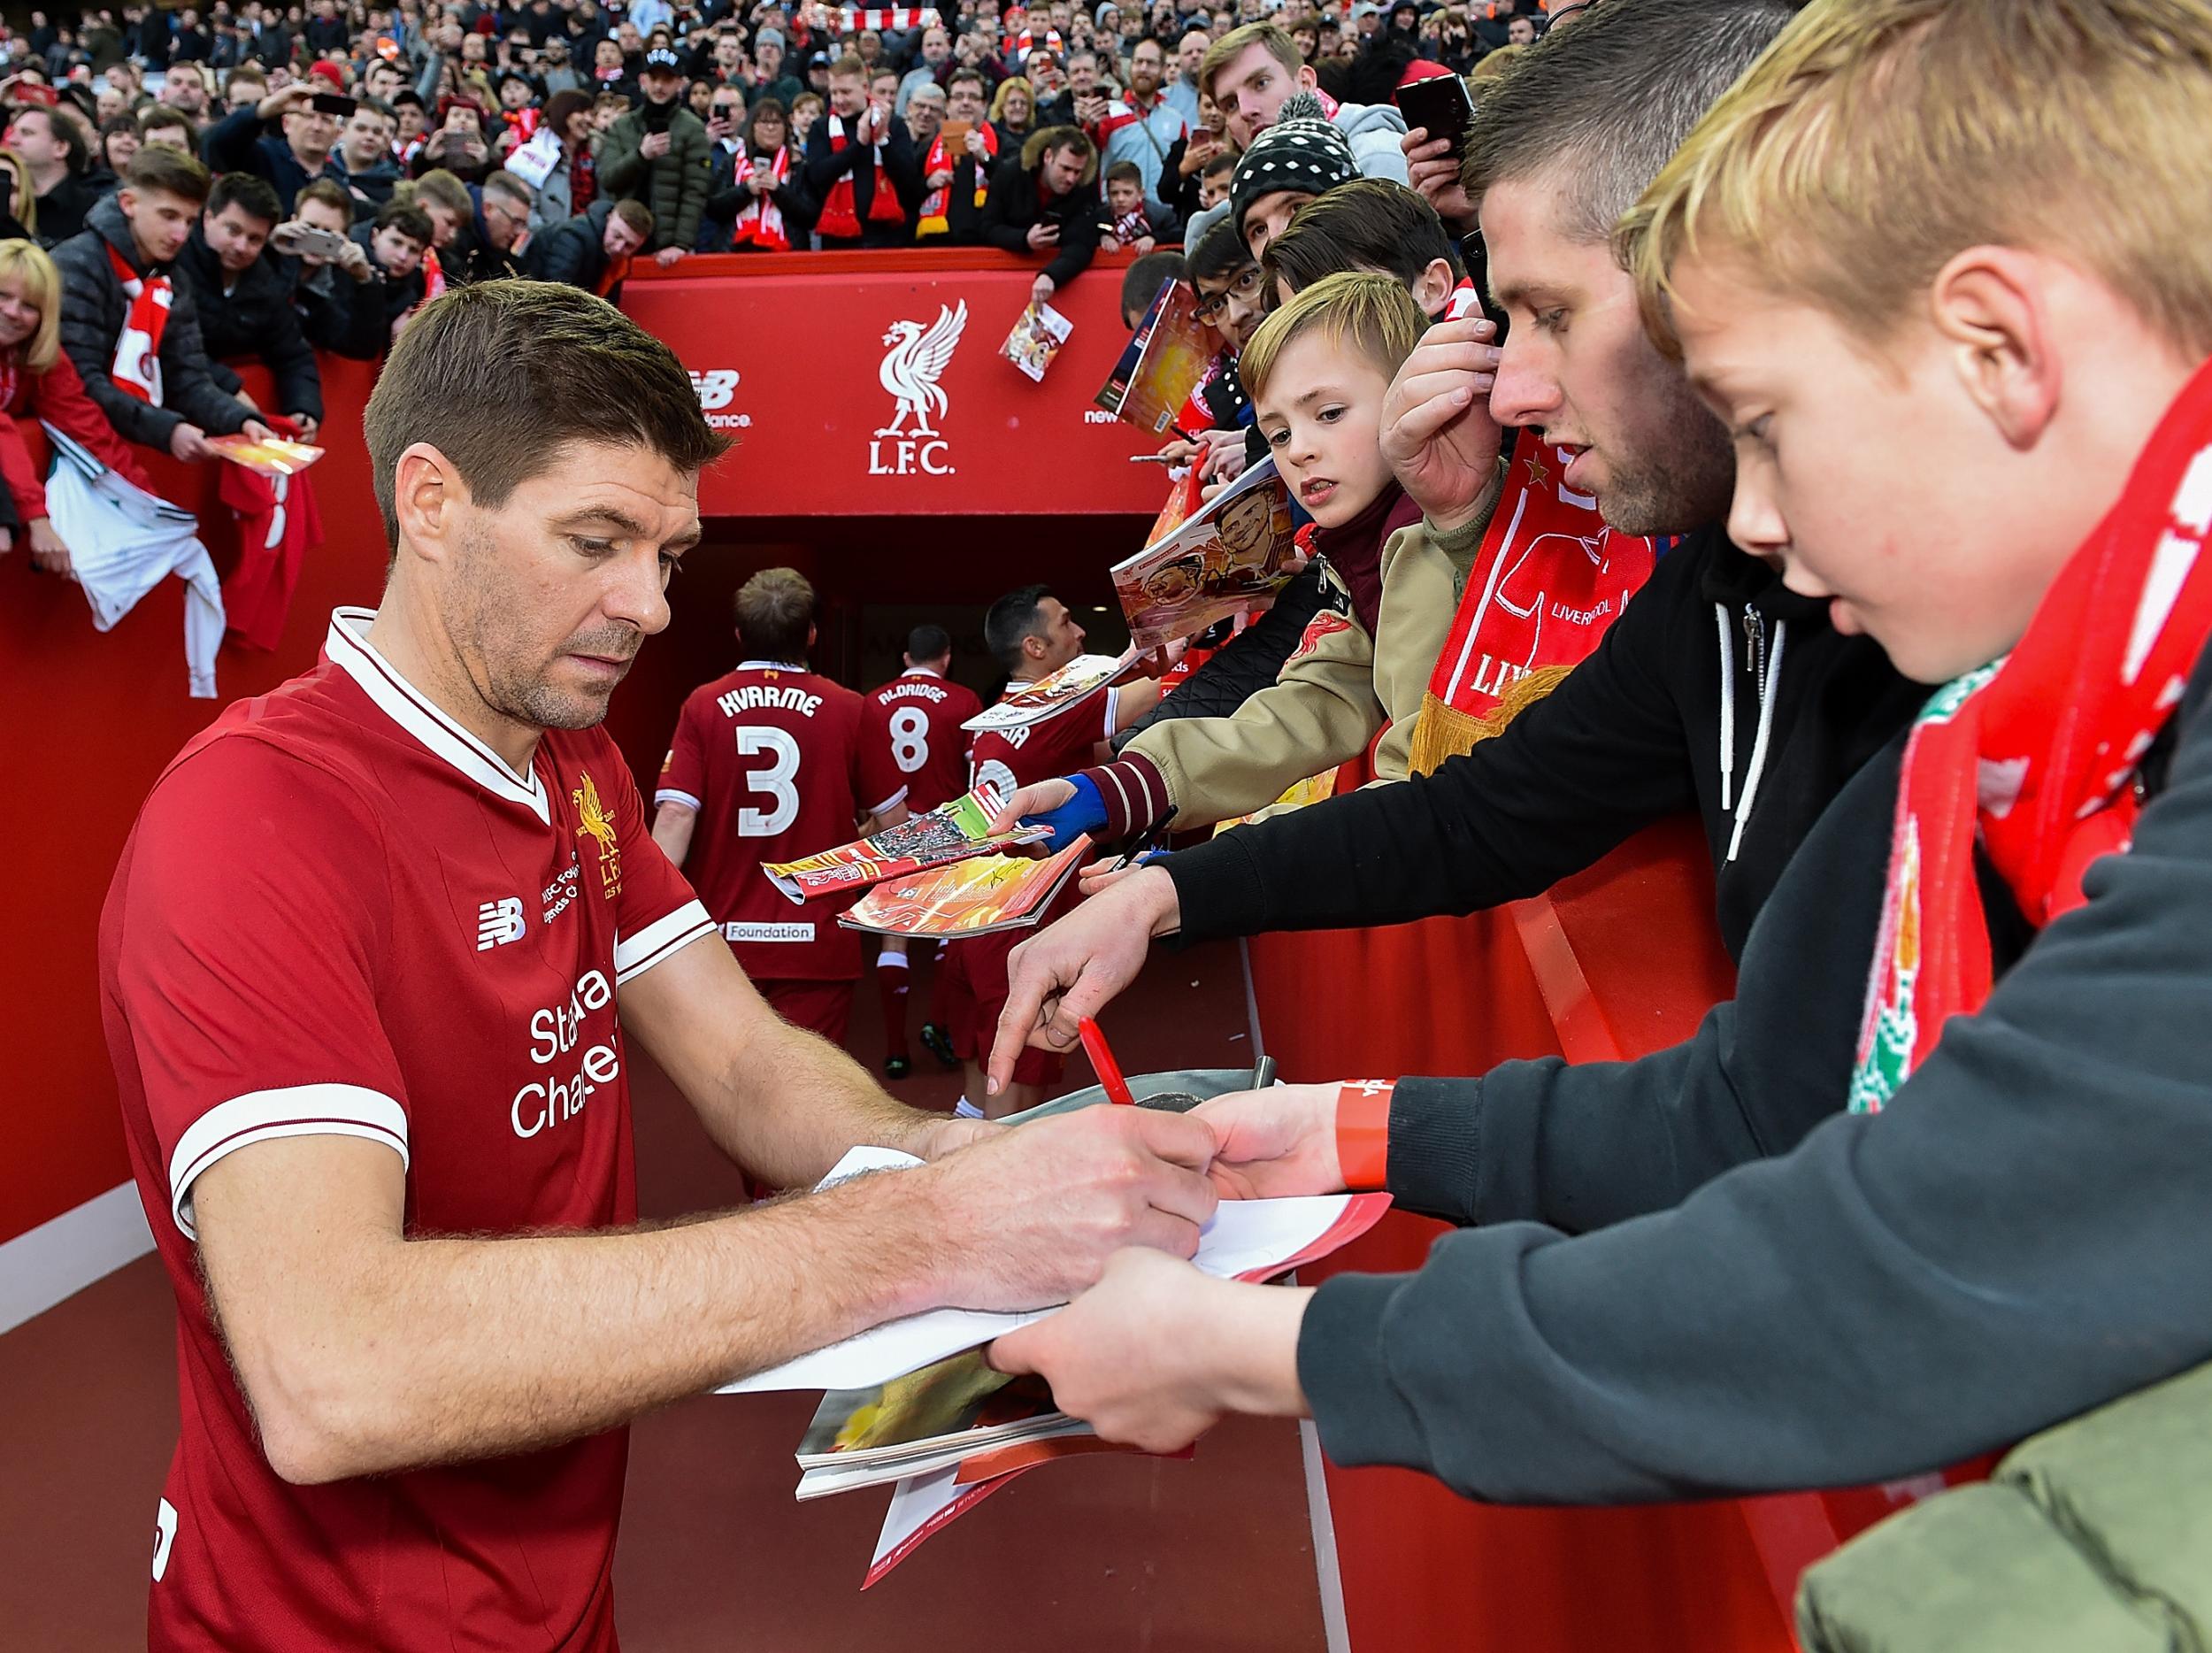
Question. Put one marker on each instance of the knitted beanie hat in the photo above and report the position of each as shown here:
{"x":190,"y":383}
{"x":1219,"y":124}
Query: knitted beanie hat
{"x":1301,"y":151}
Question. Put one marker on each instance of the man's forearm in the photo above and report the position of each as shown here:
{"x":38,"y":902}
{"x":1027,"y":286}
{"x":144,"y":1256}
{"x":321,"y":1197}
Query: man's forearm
{"x":448,"y":1351}
{"x":793,"y":1103}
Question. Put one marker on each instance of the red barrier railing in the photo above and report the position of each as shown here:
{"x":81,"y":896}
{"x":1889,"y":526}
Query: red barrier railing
{"x":1615,"y":962}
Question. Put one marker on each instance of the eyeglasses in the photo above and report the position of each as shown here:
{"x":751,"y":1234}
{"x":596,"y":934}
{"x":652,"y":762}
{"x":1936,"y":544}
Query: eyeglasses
{"x":1245,"y":285}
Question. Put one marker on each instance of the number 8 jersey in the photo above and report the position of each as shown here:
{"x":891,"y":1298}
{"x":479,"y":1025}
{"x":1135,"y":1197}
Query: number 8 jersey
{"x":918,"y":716}
{"x":778,"y":762}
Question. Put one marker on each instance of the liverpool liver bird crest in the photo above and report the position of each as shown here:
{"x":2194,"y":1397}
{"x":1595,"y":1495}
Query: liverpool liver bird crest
{"x":918,"y":357}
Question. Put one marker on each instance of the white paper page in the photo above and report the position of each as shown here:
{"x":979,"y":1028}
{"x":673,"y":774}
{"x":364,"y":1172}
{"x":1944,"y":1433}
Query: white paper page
{"x":1244,"y":1235}
{"x":913,"y":1502}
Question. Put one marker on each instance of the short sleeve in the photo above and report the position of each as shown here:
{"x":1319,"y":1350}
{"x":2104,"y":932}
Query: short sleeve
{"x":656,"y":914}
{"x":683,"y":778}
{"x":255,"y":920}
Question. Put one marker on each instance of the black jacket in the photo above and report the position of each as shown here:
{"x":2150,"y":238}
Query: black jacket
{"x":824,"y":166}
{"x":1014,"y":205}
{"x":1650,"y":725}
{"x":573,"y":251}
{"x":254,"y":318}
{"x":94,"y":308}
{"x":1781,"y":1294}
{"x":336,"y":312}
{"x":62,"y":210}
{"x":242,"y":142}
{"x":395,"y":298}
{"x":370,"y":189}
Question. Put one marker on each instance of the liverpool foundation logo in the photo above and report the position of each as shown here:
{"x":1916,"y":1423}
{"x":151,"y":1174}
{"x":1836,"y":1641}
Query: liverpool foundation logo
{"x":912,"y":444}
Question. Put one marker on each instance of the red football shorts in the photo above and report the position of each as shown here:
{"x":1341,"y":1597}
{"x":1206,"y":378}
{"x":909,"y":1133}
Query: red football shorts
{"x":971,"y":978}
{"x":822,"y":1007}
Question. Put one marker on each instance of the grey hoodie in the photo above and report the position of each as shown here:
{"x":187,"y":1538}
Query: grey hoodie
{"x":1372,"y":129}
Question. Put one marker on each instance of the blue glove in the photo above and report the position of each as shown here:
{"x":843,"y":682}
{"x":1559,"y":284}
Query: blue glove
{"x":1083,"y":812}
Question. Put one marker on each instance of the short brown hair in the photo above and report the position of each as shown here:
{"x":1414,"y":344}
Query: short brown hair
{"x":1591,"y":113}
{"x":439,"y":188}
{"x":1872,"y":143}
{"x":850,"y":64}
{"x":775,"y":611}
{"x":329,"y":191}
{"x":1232,"y":45}
{"x":517,"y":190}
{"x":500,"y":376}
{"x":636,"y":214}
{"x":157,"y":166}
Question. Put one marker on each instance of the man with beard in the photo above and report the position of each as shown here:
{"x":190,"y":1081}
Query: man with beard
{"x":1142,"y":127}
{"x":1647,"y":727}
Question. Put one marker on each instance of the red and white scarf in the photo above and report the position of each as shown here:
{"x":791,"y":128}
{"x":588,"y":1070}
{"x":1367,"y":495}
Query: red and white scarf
{"x":840,"y":218}
{"x":1548,"y":579}
{"x":853,"y":18}
{"x":2032,"y":756}
{"x":137,"y":369}
{"x":761,"y":223}
{"x":936,"y":206}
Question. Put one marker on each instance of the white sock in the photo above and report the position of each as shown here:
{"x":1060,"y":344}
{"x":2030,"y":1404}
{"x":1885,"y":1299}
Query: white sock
{"x":965,"y":1110}
{"x":891,"y":961}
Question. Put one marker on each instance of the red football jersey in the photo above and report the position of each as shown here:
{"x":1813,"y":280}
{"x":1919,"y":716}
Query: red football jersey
{"x":1044,"y":751}
{"x":779,"y":765}
{"x":917,"y":717}
{"x":340,"y":914}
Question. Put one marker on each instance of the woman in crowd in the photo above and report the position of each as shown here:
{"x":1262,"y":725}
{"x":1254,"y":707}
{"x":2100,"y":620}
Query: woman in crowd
{"x":37,"y":383}
{"x":18,"y":212}
{"x":1453,"y":44}
{"x":570,"y":187}
{"x":119,"y":141}
{"x":765,"y":208}
{"x":1013,"y":112}
{"x":1187,"y":158}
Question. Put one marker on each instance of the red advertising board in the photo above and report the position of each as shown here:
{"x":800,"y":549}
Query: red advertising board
{"x":883,"y":393}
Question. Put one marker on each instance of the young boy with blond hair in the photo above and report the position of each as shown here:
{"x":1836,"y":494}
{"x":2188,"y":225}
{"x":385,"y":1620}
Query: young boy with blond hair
{"x":1317,"y":371}
{"x":1944,"y":271}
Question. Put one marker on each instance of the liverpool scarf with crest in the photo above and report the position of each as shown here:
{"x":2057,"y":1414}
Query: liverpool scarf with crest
{"x":2032,"y":756}
{"x":1548,"y":579}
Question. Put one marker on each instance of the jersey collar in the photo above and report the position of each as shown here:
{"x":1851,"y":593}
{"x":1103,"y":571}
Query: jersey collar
{"x":921,"y":670}
{"x":768,"y":665}
{"x":348,"y":647}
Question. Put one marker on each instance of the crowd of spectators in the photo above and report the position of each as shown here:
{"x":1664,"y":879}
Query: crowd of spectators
{"x":280,"y":180}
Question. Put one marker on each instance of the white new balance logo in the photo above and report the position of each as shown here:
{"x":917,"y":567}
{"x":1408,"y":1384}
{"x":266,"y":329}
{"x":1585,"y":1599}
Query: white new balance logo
{"x":498,"y":922}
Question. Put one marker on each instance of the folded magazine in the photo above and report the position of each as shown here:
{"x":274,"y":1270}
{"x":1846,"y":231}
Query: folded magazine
{"x":1038,"y":335}
{"x":974,"y":897}
{"x":1163,"y":362}
{"x":952,"y":831}
{"x":1071,"y":685}
{"x":924,"y":1421}
{"x":1234,"y":554}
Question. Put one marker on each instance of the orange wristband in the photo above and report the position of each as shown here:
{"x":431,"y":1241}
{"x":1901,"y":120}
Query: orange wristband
{"x":1363,"y":1132}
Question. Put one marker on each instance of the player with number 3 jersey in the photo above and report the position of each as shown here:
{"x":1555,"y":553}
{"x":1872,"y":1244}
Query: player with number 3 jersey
{"x":771,"y":762}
